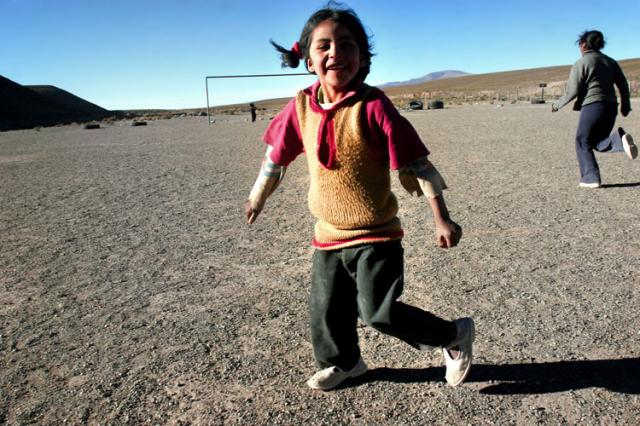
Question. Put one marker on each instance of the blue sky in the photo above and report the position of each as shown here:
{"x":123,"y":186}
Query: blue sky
{"x":155,"y":54}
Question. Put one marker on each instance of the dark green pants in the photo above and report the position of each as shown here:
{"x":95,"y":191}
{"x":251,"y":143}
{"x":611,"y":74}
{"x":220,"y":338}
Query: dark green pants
{"x":365,"y":281}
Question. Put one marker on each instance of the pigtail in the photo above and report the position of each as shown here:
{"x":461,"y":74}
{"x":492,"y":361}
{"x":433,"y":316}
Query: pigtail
{"x":290,"y":58}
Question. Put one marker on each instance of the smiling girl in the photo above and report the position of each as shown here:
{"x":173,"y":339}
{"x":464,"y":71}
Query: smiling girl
{"x":352,"y":136}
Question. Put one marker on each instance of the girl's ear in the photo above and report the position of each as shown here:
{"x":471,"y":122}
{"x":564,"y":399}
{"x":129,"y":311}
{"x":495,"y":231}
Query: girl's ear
{"x":310,"y":65}
{"x":363,"y":60}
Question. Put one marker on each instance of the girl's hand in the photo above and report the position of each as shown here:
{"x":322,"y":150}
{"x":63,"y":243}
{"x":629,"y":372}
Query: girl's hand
{"x":448,"y":233}
{"x":251,"y":212}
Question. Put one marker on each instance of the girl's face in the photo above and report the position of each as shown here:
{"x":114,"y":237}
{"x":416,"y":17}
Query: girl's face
{"x":334,"y":56}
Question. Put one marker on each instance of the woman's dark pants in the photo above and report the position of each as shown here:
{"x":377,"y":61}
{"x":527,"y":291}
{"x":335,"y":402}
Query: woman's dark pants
{"x":594,"y":133}
{"x":365,"y":281}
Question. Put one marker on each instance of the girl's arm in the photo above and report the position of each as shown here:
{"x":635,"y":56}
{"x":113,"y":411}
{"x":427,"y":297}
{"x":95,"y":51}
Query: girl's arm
{"x":404,"y":147}
{"x":448,"y":232}
{"x":271,"y":174}
{"x":284,"y":145}
{"x":422,"y":177}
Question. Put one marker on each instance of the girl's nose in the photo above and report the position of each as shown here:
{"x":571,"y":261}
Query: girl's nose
{"x":334,"y":51}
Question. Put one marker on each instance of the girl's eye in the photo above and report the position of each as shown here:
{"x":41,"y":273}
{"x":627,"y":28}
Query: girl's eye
{"x":348,"y":45}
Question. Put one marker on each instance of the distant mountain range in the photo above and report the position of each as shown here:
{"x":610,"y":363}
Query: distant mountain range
{"x":438,"y":75}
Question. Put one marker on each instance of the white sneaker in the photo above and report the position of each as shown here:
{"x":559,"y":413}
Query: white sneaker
{"x":331,"y":377}
{"x":627,"y":144}
{"x":459,"y":354}
{"x":589,"y":185}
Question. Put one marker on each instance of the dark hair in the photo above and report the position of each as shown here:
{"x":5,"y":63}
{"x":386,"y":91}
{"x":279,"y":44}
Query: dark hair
{"x":340,"y":14}
{"x":593,"y":40}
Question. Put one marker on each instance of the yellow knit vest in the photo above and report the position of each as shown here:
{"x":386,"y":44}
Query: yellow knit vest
{"x":353,"y":200}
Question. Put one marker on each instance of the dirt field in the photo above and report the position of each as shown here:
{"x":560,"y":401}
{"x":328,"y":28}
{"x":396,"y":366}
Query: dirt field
{"x":132,"y":291}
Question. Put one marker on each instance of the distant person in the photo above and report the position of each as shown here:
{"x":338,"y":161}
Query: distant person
{"x":592,"y":81}
{"x":253,"y":111}
{"x":353,"y":135}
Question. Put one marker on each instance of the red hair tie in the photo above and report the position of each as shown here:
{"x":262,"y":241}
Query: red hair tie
{"x":296,"y":50}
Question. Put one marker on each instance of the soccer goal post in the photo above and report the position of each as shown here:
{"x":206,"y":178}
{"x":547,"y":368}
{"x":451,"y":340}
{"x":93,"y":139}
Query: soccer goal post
{"x":211,"y":77}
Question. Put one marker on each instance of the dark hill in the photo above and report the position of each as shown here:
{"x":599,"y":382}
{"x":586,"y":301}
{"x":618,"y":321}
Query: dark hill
{"x":17,"y":100}
{"x":22,"y":107}
{"x":67,"y":100}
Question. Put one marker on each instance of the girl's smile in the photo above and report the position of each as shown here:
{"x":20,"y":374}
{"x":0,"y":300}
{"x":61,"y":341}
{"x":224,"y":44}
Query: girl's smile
{"x":334,"y":56}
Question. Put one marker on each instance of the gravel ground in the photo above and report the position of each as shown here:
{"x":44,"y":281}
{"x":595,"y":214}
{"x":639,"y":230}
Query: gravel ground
{"x":132,"y":291}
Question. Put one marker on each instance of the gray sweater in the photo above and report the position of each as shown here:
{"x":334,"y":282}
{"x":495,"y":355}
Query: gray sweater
{"x":591,"y":80}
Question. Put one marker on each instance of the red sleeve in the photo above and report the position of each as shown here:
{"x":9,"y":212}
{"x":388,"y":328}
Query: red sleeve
{"x":394,"y":132}
{"x":283,"y":134}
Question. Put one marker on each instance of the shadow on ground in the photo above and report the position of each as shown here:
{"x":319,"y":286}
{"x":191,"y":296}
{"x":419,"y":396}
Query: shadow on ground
{"x":620,"y":185}
{"x":622,"y":376}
